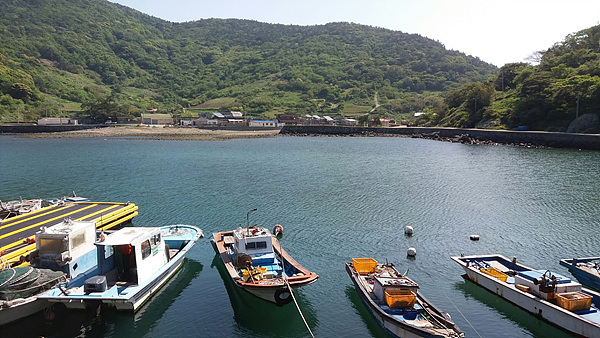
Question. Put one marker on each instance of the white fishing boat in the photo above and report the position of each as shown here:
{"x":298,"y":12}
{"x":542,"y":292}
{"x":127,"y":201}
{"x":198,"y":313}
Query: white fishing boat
{"x":396,"y":303}
{"x":133,"y":264}
{"x":544,"y":293}
{"x":63,"y":252}
{"x":256,"y":263}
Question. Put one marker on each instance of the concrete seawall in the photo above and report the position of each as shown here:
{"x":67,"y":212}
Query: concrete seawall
{"x":23,"y":129}
{"x":535,"y":138}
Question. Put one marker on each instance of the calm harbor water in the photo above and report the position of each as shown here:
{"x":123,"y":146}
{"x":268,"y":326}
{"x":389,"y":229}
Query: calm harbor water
{"x":337,"y":198}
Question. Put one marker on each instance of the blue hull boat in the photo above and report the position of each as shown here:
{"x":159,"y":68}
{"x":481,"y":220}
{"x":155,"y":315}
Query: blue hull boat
{"x":586,"y":270}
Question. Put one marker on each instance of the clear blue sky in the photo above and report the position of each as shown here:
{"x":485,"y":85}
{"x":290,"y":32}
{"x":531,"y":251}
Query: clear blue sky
{"x":497,"y":32}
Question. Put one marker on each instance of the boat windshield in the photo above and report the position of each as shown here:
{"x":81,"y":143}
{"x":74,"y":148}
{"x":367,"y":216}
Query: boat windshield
{"x":52,"y":245}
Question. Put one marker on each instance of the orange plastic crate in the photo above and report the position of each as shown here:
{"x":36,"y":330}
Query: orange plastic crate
{"x":495,"y":273}
{"x":400,"y":298}
{"x":364,"y":265}
{"x":574,"y":301}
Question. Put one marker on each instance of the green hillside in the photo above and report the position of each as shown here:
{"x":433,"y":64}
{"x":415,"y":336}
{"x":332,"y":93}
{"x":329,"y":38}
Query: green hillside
{"x":101,"y":58}
{"x":562,"y":86}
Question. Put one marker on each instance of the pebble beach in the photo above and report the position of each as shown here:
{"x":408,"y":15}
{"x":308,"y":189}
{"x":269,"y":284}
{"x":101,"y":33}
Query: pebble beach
{"x":159,"y":133}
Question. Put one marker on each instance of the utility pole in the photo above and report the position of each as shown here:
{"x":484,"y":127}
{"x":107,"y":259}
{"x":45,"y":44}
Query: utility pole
{"x":502,"y":83}
{"x":577,"y":113}
{"x":60,"y":109}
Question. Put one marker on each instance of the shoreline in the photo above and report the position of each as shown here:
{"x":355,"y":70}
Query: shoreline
{"x":529,"y":139}
{"x":157,"y":133}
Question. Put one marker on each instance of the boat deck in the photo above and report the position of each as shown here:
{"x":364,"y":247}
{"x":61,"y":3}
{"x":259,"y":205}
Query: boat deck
{"x":15,"y":231}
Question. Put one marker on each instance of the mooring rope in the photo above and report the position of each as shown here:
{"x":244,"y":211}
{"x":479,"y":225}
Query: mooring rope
{"x":451,"y":302}
{"x":290,"y":288}
{"x":465,"y":318}
{"x":298,"y":307}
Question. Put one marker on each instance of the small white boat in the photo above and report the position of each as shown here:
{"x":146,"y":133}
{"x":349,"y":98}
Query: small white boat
{"x":133,"y":264}
{"x":548,"y":295}
{"x":66,"y":199}
{"x":63,"y":252}
{"x":395,"y":302}
{"x":256,"y":263}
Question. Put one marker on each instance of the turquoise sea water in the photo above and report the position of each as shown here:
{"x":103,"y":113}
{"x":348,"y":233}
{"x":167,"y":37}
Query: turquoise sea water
{"x":337,"y":198}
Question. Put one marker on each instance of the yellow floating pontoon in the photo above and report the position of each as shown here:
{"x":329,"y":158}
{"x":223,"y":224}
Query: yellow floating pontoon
{"x":17,"y":233}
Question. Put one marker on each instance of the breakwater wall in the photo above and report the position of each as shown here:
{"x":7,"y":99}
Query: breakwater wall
{"x":532,"y":138}
{"x":24,"y":129}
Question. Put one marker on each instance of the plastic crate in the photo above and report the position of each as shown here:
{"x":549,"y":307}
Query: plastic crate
{"x":400,"y":298}
{"x":495,"y":273}
{"x":258,"y":272}
{"x":364,"y":265}
{"x":574,"y":301}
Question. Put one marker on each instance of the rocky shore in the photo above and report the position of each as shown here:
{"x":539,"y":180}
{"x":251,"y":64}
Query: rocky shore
{"x":528,"y":139}
{"x":467,"y":139}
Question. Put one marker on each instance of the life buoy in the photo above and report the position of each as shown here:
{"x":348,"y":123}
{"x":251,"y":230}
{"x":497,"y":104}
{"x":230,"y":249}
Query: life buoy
{"x":282,"y":296}
{"x":277,"y":230}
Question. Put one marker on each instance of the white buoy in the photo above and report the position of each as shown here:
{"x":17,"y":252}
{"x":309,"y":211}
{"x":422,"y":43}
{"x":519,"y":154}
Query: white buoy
{"x":474,"y":237}
{"x":411,"y":252}
{"x":408,"y":230}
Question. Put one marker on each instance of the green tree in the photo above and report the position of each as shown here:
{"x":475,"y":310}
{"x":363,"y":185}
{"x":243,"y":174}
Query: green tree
{"x":22,"y":92}
{"x":104,"y":109}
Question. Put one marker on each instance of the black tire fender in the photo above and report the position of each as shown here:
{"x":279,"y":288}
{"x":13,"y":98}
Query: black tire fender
{"x":283,"y":296}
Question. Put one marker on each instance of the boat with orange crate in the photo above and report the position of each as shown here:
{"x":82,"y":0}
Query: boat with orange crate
{"x":544,"y":293}
{"x":395,"y":302}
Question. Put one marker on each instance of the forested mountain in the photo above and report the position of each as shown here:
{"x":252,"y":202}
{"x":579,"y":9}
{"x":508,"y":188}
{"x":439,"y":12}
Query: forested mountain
{"x":564,"y":85}
{"x":93,"y":55}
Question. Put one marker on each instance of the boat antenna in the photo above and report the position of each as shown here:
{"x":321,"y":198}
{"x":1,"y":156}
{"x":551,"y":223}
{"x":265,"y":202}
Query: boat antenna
{"x":247,"y":217}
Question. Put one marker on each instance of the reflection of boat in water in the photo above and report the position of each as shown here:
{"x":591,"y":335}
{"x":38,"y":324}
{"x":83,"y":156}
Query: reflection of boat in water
{"x":263,"y":318}
{"x":395,"y":302}
{"x":548,"y":295}
{"x":372,"y":325}
{"x":133,"y":264}
{"x":257,"y":263}
{"x":81,"y":323}
{"x":501,"y":309}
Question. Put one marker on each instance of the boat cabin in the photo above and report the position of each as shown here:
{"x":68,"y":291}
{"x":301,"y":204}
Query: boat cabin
{"x":131,"y":255}
{"x":255,"y":242}
{"x":253,"y":247}
{"x":67,"y":246}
